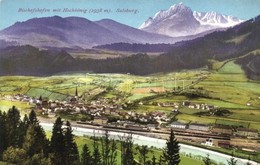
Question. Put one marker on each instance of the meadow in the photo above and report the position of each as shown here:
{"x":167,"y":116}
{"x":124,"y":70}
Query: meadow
{"x":81,"y":141}
{"x":227,"y":88}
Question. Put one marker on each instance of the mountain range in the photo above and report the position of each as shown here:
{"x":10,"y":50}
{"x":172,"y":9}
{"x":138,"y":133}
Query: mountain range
{"x":178,"y":23}
{"x":72,"y":32}
{"x":189,"y":40}
{"x":179,"y":20}
{"x":240,"y":44}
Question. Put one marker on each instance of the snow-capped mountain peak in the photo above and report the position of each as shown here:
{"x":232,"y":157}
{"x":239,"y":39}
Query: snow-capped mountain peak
{"x":179,"y":9}
{"x":216,"y":19}
{"x":180,"y":20}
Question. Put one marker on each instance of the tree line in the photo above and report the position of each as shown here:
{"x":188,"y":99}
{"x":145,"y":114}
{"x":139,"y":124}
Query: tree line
{"x":136,"y":47}
{"x":24,"y":141}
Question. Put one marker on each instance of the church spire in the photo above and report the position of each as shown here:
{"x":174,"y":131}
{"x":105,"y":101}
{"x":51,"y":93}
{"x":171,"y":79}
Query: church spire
{"x":76,"y":92}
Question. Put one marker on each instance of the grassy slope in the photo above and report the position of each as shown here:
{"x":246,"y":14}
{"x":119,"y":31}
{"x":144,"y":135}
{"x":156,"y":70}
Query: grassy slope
{"x":229,"y":88}
{"x":184,"y":160}
{"x":81,"y":141}
{"x":24,"y":108}
{"x":233,"y":91}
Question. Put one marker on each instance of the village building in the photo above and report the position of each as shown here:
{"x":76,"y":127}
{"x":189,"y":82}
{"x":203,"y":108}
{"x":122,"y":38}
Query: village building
{"x":193,"y":106}
{"x":224,"y":144}
{"x":208,"y":142}
{"x":152,"y":127}
{"x":167,"y":104}
{"x":178,"y":125}
{"x":100,"y":120}
{"x":246,"y":132}
{"x":186,"y":103}
{"x":199,"y":127}
{"x":136,"y":127}
{"x":222,"y":129}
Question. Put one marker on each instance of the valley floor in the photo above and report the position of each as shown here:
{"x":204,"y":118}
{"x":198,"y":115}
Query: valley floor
{"x":224,"y":97}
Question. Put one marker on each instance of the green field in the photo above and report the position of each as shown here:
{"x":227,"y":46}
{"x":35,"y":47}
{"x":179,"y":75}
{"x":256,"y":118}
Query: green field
{"x":24,"y":107}
{"x":61,"y":86}
{"x":81,"y":141}
{"x":227,"y":88}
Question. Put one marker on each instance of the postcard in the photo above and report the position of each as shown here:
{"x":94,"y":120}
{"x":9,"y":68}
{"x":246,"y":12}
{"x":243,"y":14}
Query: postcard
{"x":130,"y":82}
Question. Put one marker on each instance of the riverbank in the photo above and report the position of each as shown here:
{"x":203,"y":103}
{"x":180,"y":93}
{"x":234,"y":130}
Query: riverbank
{"x":150,"y":141}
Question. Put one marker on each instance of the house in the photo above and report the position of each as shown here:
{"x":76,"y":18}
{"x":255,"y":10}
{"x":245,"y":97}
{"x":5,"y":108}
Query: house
{"x":45,"y":103}
{"x":186,"y":103}
{"x":178,"y":125}
{"x":210,"y":107}
{"x":224,"y":144}
{"x":199,"y":127}
{"x":175,"y":110}
{"x":246,"y":132}
{"x":208,"y":142}
{"x":136,"y":127}
{"x":192,"y":106}
{"x":141,"y":103}
{"x":222,"y":129}
{"x":100,"y":120}
{"x":152,"y":126}
{"x":143,"y":119}
{"x":73,"y":100}
{"x":197,"y":106}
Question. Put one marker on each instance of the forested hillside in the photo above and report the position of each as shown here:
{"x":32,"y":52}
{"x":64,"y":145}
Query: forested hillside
{"x":234,"y":43}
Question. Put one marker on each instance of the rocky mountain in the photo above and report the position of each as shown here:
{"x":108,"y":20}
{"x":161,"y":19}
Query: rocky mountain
{"x":179,"y":21}
{"x":215,"y":19}
{"x":73,"y":32}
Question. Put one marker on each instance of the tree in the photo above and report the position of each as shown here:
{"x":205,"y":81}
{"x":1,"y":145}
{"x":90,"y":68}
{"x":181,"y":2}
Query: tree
{"x":105,"y":148}
{"x":38,"y":159}
{"x":96,"y":155}
{"x":23,"y":129}
{"x":34,"y":135}
{"x":108,"y":150}
{"x":86,"y":158}
{"x":12,"y":127}
{"x":171,"y":151}
{"x":232,"y":160}
{"x":71,"y":149}
{"x":14,"y":155}
{"x":153,"y":160}
{"x":113,"y":153}
{"x":143,"y":151}
{"x":207,"y":160}
{"x":29,"y":141}
{"x":127,"y":157}
{"x":33,"y":118}
{"x":3,"y":140}
{"x":160,"y":160}
{"x":248,"y":161}
{"x":57,"y":142}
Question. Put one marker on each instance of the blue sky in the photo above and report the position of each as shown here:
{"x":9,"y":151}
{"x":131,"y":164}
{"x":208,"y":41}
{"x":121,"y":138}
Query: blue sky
{"x":9,"y":14}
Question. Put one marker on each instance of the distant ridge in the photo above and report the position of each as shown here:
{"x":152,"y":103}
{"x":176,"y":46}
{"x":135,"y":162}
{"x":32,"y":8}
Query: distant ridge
{"x":71,"y":32}
{"x":240,"y":44}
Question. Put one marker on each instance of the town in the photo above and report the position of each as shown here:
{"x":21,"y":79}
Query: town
{"x":109,"y":114}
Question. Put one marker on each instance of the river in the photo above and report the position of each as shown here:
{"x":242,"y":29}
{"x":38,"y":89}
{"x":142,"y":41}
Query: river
{"x":159,"y":143}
